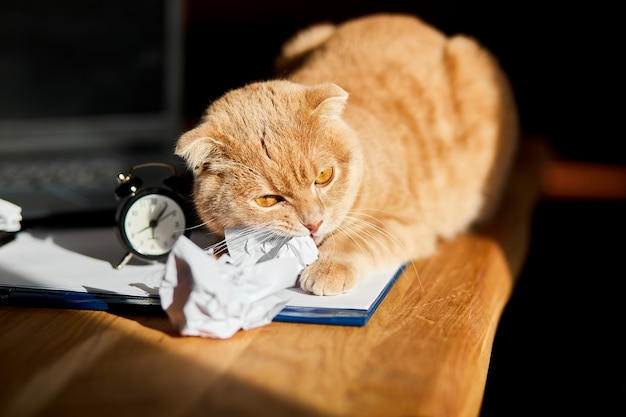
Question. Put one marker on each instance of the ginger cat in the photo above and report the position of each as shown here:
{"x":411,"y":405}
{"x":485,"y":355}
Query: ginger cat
{"x":378,"y":137}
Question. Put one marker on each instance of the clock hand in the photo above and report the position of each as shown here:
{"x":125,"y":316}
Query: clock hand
{"x":171,"y":213}
{"x":161,"y":213}
{"x":145,"y":228}
{"x":155,"y":222}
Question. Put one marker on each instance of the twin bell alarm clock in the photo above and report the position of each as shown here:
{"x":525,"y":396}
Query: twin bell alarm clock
{"x":151,"y":216}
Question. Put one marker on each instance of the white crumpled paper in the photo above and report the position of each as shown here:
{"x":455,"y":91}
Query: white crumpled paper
{"x":209,"y":297}
{"x":10,"y":216}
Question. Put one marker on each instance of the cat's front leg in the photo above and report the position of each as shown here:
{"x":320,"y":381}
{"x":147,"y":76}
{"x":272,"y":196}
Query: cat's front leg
{"x":341,"y":264}
{"x":327,"y":276}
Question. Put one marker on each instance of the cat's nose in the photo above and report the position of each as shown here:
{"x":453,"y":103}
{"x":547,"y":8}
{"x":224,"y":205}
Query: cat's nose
{"x":314,"y":227}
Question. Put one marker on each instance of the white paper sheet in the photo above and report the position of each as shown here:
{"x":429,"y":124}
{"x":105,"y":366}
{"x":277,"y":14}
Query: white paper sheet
{"x":83,"y":260}
{"x":41,"y":262}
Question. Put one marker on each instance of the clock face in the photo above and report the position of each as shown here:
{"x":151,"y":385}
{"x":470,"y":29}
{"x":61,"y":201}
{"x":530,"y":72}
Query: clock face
{"x":152,"y":223}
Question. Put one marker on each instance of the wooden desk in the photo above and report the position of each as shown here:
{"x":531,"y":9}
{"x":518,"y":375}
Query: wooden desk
{"x":425,"y":352}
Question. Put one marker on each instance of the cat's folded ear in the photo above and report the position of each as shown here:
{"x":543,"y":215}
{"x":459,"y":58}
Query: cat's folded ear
{"x":327,"y":100}
{"x":195,"y":147}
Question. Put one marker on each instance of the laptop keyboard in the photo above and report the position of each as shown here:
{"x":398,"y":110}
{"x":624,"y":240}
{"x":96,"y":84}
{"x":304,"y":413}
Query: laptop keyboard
{"x":45,"y":186}
{"x":94,"y":172}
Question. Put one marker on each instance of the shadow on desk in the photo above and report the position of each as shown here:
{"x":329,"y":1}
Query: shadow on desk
{"x":65,"y":384}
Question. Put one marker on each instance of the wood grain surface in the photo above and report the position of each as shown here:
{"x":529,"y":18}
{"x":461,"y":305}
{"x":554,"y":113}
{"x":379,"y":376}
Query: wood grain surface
{"x":425,"y":352}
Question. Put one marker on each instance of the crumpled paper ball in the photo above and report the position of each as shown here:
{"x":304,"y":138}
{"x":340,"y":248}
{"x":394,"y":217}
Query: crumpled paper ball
{"x":10,"y":216}
{"x":216,"y":297}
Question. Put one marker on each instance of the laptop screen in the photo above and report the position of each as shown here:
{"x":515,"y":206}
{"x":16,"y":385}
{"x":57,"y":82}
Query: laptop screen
{"x":89,"y":74}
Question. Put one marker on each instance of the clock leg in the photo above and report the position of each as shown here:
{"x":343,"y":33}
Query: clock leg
{"x":124,"y":260}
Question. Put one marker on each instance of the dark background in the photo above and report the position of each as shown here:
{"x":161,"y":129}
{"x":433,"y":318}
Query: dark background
{"x":559,"y":348}
{"x":563,"y":59}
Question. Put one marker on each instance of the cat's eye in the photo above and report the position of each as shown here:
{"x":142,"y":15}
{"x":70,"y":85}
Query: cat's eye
{"x":324,"y":176}
{"x":268,"y":200}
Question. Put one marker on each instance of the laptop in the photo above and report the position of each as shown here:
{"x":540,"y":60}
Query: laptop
{"x":87,"y":90}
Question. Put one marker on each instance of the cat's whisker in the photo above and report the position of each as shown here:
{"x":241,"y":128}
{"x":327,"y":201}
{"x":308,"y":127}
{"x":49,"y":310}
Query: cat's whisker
{"x":197,"y":226}
{"x":261,"y":232}
{"x":381,"y":232}
{"x":349,"y":232}
{"x":204,"y":226}
{"x":401,"y":246}
{"x":360,"y":228}
{"x":218,"y":248}
{"x":240,"y":236}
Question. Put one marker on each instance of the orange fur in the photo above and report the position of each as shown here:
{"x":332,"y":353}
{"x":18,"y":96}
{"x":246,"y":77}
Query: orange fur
{"x":418,"y":128}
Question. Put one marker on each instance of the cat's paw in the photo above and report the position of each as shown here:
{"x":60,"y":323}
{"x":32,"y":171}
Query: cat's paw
{"x":324,"y":277}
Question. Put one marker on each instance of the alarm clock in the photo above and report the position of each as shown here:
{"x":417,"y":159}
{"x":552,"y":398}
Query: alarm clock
{"x":149,"y":220}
